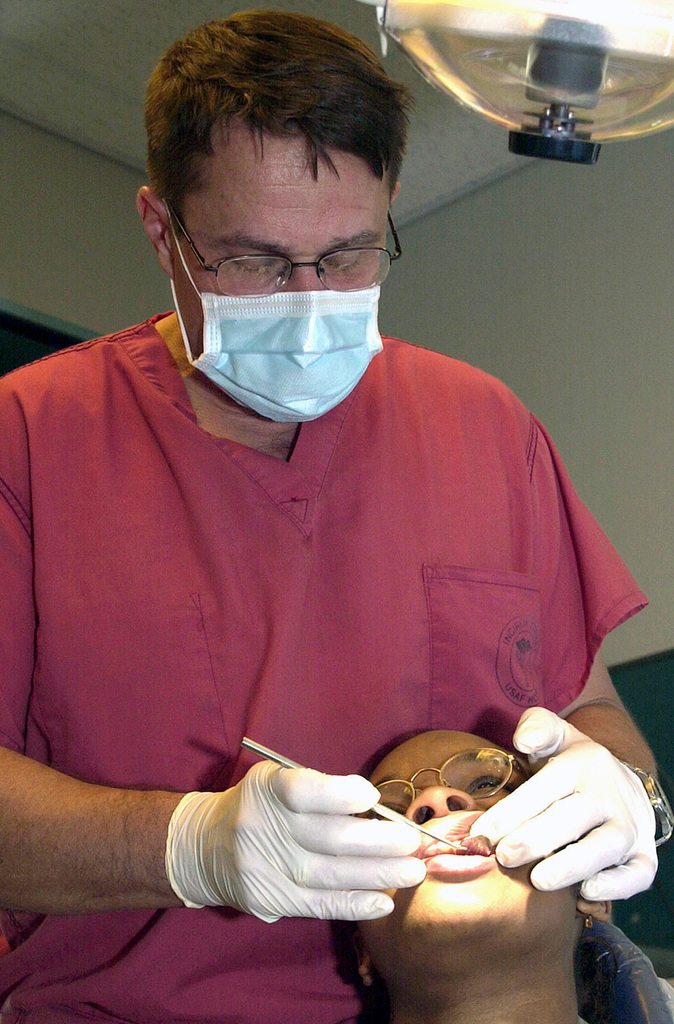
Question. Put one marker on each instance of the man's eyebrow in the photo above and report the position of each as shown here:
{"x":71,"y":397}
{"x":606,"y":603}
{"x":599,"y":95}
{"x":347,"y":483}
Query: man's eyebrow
{"x":243,"y":243}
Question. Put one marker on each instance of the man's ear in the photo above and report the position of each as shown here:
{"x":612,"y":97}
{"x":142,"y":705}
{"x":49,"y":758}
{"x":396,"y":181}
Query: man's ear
{"x":154,"y":214}
{"x":599,"y":911}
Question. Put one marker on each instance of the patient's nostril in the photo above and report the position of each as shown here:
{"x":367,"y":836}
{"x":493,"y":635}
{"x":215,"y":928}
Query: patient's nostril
{"x":455,"y":803}
{"x":423,"y":814}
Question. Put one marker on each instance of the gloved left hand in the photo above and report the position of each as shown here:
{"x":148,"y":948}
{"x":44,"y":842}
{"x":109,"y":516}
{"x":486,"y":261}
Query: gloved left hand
{"x":583,"y":803}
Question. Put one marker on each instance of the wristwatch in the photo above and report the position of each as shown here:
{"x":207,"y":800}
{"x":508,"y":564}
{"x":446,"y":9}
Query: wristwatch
{"x":664,"y":816}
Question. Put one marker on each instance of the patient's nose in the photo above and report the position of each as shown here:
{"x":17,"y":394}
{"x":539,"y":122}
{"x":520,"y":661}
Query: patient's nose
{"x":437,"y":802}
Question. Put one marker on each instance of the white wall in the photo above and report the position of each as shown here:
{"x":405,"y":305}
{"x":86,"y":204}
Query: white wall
{"x":556,"y":279}
{"x":71,"y":242}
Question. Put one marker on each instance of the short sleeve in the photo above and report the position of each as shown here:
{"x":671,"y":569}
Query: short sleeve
{"x":587,"y":590}
{"x":17,"y":612}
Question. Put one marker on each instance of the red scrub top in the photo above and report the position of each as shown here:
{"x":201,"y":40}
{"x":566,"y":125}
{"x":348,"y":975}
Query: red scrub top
{"x":421,"y":562}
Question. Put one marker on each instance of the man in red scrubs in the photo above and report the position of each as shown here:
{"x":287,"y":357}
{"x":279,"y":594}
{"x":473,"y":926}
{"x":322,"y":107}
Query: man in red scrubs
{"x":253,"y":516}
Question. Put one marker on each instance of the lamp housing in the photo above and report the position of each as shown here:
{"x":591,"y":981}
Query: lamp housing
{"x":562,"y":76}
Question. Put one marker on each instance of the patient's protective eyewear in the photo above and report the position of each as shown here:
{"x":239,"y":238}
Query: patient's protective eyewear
{"x":481,"y":773}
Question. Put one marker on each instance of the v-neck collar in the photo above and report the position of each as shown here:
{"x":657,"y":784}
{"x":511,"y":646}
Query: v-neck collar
{"x":294,"y":486}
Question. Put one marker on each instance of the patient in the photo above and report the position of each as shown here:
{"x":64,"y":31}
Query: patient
{"x":474,"y":943}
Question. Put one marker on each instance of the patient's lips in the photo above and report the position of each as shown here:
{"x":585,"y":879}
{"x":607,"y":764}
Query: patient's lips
{"x":476,"y":858}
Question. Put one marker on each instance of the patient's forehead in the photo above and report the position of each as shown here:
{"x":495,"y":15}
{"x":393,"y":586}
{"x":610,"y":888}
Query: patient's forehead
{"x":427,"y":750}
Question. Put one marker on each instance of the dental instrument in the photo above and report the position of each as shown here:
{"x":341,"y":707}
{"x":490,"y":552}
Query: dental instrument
{"x":475,"y":842}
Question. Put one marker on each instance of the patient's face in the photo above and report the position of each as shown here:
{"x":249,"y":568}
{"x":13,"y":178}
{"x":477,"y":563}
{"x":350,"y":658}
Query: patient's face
{"x":467,"y":905}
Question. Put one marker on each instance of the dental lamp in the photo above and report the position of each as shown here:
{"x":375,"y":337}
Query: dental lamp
{"x":562,"y":75}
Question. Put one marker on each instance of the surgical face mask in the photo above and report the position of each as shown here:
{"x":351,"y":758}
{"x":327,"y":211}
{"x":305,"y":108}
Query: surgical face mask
{"x":290,"y":356}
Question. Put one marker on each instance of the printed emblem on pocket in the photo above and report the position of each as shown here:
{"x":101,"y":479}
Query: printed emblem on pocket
{"x":518,"y":661}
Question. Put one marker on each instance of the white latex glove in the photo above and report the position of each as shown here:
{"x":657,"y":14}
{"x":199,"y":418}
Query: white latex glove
{"x":282,"y":843}
{"x":582,"y":791}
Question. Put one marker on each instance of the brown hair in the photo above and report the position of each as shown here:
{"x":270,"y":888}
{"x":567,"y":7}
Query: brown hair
{"x":281,"y":74}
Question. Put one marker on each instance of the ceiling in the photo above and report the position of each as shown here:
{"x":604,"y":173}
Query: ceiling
{"x":78,"y":68}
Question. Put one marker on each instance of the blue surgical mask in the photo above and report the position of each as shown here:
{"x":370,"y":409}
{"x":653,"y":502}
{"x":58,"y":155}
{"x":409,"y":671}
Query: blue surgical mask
{"x":290,"y":356}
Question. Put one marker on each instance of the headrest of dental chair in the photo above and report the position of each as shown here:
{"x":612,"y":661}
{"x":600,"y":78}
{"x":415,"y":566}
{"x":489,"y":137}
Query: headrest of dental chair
{"x":616,"y":981}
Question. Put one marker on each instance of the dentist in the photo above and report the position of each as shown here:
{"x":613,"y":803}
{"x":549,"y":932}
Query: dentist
{"x":254,"y":516}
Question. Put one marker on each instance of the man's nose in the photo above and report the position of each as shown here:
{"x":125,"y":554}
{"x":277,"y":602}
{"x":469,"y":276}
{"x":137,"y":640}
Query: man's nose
{"x":304,"y":279}
{"x":437,"y":802}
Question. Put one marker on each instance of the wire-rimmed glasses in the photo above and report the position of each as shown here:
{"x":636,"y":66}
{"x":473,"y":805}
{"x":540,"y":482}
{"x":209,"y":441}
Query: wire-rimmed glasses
{"x":482,"y":773}
{"x":341,"y":270}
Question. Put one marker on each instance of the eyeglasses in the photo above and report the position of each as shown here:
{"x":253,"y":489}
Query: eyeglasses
{"x":480,"y":773}
{"x":342,"y":270}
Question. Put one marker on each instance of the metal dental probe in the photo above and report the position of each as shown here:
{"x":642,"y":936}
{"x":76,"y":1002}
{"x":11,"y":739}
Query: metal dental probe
{"x":380,"y":809}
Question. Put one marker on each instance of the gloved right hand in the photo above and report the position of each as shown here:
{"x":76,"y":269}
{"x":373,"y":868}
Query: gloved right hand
{"x":282,"y":843}
{"x":584,"y":816}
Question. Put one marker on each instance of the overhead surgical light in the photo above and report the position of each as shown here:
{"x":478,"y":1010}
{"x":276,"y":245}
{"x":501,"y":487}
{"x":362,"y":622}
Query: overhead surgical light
{"x":562,"y":75}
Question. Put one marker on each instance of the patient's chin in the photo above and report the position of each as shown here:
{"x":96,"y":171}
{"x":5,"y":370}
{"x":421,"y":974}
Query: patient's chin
{"x":502,"y":899}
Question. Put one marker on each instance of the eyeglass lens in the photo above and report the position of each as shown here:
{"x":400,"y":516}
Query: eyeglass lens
{"x":343,"y":271}
{"x":480,"y":773}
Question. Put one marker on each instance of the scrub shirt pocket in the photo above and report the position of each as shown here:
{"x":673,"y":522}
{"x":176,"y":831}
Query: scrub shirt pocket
{"x":485,"y":646}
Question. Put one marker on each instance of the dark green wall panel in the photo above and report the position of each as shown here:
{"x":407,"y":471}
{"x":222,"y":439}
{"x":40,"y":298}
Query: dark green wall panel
{"x":647,"y":688}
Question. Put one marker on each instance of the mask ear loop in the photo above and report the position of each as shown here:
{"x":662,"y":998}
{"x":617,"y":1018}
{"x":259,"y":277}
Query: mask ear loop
{"x":186,"y":341}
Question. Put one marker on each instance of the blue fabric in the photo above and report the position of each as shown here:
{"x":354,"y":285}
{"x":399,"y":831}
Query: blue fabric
{"x":637,"y":995}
